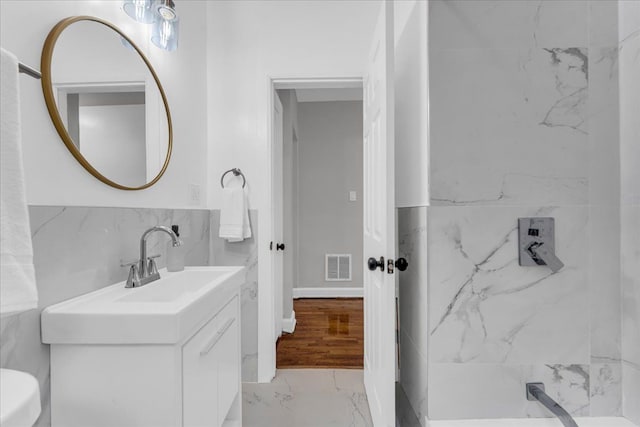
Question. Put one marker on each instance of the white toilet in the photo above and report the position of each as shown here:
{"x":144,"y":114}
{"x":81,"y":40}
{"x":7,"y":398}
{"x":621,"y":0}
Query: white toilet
{"x":19,"y":399}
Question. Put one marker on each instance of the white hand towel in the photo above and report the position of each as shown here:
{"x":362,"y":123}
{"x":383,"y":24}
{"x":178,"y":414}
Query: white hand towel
{"x":17,"y":276}
{"x":234,"y":215}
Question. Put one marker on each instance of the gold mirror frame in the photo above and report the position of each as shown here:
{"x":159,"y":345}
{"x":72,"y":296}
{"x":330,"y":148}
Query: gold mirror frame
{"x":56,"y":118}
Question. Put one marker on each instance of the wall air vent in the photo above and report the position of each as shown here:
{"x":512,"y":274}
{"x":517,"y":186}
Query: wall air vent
{"x":337,"y":267}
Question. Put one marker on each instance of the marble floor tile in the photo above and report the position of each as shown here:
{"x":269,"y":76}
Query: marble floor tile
{"x":307,"y":398}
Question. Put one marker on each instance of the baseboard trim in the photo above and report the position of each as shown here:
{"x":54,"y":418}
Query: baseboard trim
{"x":328,"y":292}
{"x":289,"y":323}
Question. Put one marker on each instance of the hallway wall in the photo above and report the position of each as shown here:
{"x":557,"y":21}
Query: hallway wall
{"x":329,"y":166}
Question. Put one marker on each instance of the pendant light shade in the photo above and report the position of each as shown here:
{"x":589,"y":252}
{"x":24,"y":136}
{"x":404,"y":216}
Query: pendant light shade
{"x":166,"y":26}
{"x":162,"y":14}
{"x":166,"y":9}
{"x":143,"y":11}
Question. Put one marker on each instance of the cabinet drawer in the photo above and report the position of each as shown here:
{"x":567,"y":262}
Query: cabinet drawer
{"x":204,"y":358}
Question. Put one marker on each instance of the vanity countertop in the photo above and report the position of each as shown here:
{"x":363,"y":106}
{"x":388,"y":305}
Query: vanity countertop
{"x":161,"y":312}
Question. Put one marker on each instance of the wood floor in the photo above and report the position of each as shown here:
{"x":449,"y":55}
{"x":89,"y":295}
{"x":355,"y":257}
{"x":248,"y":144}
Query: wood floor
{"x":329,"y":334}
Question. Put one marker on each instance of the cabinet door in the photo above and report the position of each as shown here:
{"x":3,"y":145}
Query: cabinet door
{"x":200,"y":379}
{"x":205,"y":357}
{"x":227,"y":353}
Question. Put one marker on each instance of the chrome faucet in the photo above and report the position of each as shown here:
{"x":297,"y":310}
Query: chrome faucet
{"x":144,"y":270}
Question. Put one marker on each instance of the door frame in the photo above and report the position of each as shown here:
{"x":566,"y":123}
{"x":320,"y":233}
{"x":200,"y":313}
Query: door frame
{"x":277,"y":257}
{"x":266,"y":293}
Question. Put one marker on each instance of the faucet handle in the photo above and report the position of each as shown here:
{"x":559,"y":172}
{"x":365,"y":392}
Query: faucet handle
{"x":129,"y":264}
{"x":152,"y":268}
{"x":134,"y":277}
{"x":543,"y":256}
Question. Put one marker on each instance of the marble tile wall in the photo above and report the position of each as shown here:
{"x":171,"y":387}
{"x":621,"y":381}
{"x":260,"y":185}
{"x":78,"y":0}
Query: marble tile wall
{"x":524,"y":122}
{"x":630,"y":203}
{"x":509,"y":83}
{"x":486,"y":308}
{"x":494,"y":325}
{"x":242,"y":253}
{"x":604,"y":212}
{"x":413,"y":307}
{"x":79,"y":250}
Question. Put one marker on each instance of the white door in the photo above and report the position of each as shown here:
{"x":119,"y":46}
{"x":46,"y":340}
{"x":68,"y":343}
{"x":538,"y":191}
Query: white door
{"x":379,"y":224}
{"x":277,"y":186}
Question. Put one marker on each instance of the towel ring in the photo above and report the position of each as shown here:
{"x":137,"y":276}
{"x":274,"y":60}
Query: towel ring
{"x":236,"y":172}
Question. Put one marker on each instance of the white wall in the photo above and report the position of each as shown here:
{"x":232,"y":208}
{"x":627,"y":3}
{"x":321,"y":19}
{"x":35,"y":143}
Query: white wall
{"x":250,"y":42}
{"x":329,"y":166}
{"x":412,"y":104}
{"x":118,"y":152}
{"x":53,"y":177}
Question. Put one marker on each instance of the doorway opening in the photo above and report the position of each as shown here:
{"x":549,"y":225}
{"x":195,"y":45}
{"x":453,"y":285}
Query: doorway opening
{"x":317,"y":194}
{"x":376,"y":380}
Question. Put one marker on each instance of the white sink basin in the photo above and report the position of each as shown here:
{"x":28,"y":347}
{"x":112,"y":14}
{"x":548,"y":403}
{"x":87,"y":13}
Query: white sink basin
{"x":174,"y":287}
{"x":161,"y":312}
{"x":19,"y":399}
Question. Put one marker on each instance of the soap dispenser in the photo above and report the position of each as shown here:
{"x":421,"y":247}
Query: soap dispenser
{"x":175,"y":254}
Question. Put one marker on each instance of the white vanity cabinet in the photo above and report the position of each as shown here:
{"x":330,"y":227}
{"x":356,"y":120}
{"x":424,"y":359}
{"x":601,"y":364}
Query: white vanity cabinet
{"x":186,"y":373}
{"x":211,"y":370}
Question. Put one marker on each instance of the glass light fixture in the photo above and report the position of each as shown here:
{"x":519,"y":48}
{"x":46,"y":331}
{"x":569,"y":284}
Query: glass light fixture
{"x":165,"y":28}
{"x":142,"y":11}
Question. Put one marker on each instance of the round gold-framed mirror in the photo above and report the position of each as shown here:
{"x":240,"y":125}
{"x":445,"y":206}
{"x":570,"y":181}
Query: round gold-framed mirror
{"x":106,"y":102}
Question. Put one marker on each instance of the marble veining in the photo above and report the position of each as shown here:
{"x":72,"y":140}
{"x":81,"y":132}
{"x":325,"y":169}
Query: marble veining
{"x":525,"y":122}
{"x":606,"y":389}
{"x":307,"y":398}
{"x":485,"y":307}
{"x":566,"y":384}
{"x":471,"y":382}
{"x":572,"y":75}
{"x":521,"y":138}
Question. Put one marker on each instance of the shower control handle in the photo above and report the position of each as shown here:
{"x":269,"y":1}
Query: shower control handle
{"x":374,"y":263}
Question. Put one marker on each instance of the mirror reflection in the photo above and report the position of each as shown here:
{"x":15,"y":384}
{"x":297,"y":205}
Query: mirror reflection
{"x":109,"y":103}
